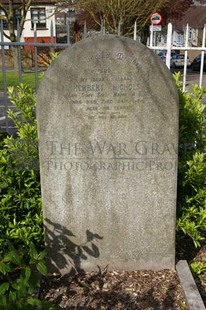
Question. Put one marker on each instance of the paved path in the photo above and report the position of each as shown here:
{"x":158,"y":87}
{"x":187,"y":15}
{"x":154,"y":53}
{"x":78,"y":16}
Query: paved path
{"x":5,"y":122}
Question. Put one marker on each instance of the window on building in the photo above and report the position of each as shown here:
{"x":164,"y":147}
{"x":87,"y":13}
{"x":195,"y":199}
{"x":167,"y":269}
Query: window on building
{"x":2,"y":14}
{"x":38,"y":16}
{"x":180,"y":39}
{"x":17,"y":16}
{"x":190,"y":33}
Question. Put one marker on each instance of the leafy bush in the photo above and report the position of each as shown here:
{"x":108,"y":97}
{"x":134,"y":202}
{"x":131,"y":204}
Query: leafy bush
{"x":198,"y":268}
{"x":191,"y":204}
{"x":20,"y":277}
{"x":20,"y":202}
{"x":21,"y":229}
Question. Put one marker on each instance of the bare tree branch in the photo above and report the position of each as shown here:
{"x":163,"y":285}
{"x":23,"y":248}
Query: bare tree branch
{"x":10,"y":10}
{"x":126,"y":12}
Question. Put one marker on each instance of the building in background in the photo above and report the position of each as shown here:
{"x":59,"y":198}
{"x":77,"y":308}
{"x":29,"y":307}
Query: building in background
{"x":195,"y":17}
{"x":41,"y":13}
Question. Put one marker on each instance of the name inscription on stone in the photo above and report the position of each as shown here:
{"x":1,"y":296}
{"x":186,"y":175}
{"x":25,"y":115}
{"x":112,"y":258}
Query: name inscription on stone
{"x":88,"y":94}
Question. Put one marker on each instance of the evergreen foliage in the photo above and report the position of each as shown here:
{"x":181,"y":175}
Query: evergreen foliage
{"x":21,"y":225}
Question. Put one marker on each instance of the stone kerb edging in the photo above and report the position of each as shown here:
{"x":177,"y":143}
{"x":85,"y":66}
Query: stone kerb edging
{"x":192,"y":295}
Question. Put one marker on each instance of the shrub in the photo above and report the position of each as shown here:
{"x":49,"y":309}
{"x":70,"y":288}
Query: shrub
{"x":20,"y":202}
{"x":19,"y":277}
{"x":21,"y":229}
{"x":191,"y":203}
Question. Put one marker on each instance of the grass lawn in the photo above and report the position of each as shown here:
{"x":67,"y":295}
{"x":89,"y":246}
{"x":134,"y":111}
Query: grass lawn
{"x":12,"y":79}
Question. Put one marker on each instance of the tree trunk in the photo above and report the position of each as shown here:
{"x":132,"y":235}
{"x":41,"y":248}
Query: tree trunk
{"x":16,"y":64}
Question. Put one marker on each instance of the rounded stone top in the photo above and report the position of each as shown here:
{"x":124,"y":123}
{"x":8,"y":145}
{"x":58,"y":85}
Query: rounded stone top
{"x":108,"y":82}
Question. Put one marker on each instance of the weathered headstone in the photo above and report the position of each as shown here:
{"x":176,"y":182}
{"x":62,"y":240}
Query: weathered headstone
{"x":108,"y":135}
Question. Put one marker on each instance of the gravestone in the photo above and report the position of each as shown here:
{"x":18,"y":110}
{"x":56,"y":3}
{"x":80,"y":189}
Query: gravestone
{"x":108,"y":137}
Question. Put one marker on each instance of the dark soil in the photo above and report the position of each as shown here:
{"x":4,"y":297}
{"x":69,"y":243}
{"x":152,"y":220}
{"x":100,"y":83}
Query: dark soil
{"x":103,"y":289}
{"x":116,"y":290}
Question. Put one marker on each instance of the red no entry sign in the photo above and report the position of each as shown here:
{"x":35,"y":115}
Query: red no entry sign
{"x":156,"y":18}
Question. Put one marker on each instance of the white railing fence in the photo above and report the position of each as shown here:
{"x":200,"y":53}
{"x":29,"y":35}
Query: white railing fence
{"x":35,"y":45}
{"x":170,"y":47}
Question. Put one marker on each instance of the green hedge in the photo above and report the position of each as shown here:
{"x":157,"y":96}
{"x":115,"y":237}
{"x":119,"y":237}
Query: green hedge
{"x":21,"y":228}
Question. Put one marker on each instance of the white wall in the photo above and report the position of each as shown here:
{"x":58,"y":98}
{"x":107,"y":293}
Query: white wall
{"x":29,"y":32}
